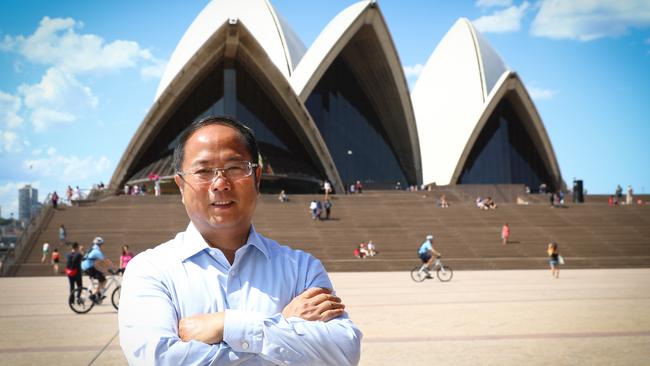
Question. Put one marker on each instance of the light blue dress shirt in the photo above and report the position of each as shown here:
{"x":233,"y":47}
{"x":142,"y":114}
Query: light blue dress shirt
{"x":185,"y":277}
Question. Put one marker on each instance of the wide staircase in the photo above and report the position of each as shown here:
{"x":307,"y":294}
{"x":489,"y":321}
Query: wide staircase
{"x":590,"y":235}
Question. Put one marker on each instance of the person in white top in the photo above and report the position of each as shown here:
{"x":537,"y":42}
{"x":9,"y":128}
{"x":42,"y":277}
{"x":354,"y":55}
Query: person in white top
{"x":46,"y":251}
{"x":371,"y":249}
{"x":327,"y":187}
{"x":629,"y":199}
{"x":156,"y":186}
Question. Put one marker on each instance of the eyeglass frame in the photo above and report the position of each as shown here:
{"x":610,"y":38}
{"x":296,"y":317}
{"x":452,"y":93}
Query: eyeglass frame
{"x":222,"y":170}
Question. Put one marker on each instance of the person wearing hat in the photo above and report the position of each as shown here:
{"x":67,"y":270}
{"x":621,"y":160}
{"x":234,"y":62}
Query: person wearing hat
{"x":427,"y":254}
{"x":91,"y":264}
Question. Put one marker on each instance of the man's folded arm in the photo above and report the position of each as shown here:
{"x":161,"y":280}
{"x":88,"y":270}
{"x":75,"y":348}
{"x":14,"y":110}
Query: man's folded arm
{"x":148,"y":324}
{"x":293,"y":337}
{"x":294,"y":340}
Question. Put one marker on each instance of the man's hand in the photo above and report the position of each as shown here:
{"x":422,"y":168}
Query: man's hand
{"x":315,"y":304}
{"x":206,"y":328}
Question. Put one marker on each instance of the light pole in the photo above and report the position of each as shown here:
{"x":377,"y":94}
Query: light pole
{"x":350,"y":169}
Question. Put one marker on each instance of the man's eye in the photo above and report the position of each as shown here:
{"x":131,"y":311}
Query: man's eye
{"x":234,"y":169}
{"x":203,"y":173}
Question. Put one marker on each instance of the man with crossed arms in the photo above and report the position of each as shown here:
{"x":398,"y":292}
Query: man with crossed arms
{"x":220,"y":293}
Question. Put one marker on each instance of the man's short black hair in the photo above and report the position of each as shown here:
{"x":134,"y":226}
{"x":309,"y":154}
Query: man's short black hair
{"x":246,"y":134}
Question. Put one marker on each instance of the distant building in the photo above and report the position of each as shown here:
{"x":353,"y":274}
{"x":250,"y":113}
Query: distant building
{"x":28,"y":205}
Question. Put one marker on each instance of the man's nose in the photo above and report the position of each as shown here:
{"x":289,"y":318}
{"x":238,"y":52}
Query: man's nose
{"x":220,"y":182}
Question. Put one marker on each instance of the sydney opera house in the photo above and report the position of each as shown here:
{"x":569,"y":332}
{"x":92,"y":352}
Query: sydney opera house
{"x":342,"y":110}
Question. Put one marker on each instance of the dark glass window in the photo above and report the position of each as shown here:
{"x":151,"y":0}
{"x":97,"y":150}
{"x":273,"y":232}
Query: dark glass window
{"x":204,"y":95}
{"x":504,"y":153}
{"x":349,"y":125}
{"x":282,"y":151}
{"x":287,"y":164}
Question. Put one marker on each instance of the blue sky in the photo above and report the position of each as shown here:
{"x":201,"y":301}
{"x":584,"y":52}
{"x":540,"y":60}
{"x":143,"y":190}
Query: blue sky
{"x":77,"y":78}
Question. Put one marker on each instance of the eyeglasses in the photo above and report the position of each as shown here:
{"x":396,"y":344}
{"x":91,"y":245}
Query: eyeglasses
{"x":232,"y":171}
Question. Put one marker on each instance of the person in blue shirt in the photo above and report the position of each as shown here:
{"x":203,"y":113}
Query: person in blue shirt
{"x":220,"y":293}
{"x":94,"y":263}
{"x":427,"y":254}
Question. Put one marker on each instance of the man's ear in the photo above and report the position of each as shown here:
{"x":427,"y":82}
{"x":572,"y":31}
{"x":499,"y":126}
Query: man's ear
{"x":258,"y":177}
{"x":180,"y":183}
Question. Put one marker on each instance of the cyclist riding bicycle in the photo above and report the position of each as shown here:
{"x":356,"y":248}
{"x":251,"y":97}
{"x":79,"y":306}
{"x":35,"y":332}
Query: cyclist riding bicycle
{"x":93,"y":263}
{"x":428,"y":254}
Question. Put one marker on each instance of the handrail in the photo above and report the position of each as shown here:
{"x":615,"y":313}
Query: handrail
{"x":31,"y":232}
{"x":6,"y":261}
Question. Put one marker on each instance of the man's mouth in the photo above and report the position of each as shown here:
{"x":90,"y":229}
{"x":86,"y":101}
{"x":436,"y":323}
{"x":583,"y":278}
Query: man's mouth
{"x":224,"y":203}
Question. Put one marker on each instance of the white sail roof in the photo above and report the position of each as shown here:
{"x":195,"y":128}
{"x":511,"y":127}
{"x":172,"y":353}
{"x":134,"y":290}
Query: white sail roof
{"x":324,"y":46}
{"x":450,"y":95}
{"x":282,"y":45}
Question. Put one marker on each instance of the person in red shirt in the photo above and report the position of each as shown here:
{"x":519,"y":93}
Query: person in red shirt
{"x":126,"y":256}
{"x":505,"y":234}
{"x":55,"y":260}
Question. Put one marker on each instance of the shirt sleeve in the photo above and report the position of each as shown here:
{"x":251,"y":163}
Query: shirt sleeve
{"x":295,"y":341}
{"x":148,"y":324}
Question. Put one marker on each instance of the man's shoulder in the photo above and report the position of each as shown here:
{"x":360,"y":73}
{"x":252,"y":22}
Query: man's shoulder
{"x":162,"y":252}
{"x":154,"y":261}
{"x":282,"y":251}
{"x":298,"y":265}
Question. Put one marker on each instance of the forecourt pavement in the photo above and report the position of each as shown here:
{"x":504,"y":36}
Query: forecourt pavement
{"x":587,"y":317}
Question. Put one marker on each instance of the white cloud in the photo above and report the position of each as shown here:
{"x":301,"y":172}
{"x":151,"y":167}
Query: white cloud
{"x":587,"y":20}
{"x":9,"y":108}
{"x":502,"y":21}
{"x":154,"y":70}
{"x":58,"y":99}
{"x":541,"y":93}
{"x":9,"y":142}
{"x":493,"y":3}
{"x":9,"y":198}
{"x":70,"y":168}
{"x":56,"y":42}
{"x":414,"y":70}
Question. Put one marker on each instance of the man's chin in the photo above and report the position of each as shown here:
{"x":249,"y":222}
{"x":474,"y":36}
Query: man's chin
{"x":218,"y":222}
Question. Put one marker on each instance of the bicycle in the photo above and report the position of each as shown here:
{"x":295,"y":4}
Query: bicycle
{"x":444,"y":273}
{"x":80,"y":300}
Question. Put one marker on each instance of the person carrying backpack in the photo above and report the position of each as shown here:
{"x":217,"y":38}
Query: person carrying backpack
{"x":73,"y":267}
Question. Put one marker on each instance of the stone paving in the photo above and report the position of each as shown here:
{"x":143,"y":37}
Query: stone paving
{"x":587,"y":317}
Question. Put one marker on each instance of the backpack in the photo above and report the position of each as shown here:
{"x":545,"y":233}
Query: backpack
{"x":69,"y":270}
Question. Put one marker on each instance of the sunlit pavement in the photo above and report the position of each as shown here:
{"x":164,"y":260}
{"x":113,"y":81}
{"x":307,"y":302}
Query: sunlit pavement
{"x":587,"y":317}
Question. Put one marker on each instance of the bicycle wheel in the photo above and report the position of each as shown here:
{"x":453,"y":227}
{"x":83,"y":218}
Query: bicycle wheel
{"x":445,"y":273}
{"x":417,"y":275}
{"x":80,"y":301}
{"x":115,"y":297}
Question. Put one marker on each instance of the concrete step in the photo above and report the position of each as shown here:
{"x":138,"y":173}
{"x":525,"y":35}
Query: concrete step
{"x":595,"y":234}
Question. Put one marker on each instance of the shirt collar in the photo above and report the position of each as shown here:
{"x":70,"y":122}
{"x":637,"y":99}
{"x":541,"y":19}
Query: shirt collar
{"x":193,"y":242}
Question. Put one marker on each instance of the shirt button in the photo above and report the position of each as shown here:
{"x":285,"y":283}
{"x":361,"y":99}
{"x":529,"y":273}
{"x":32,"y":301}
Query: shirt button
{"x":244,"y":345}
